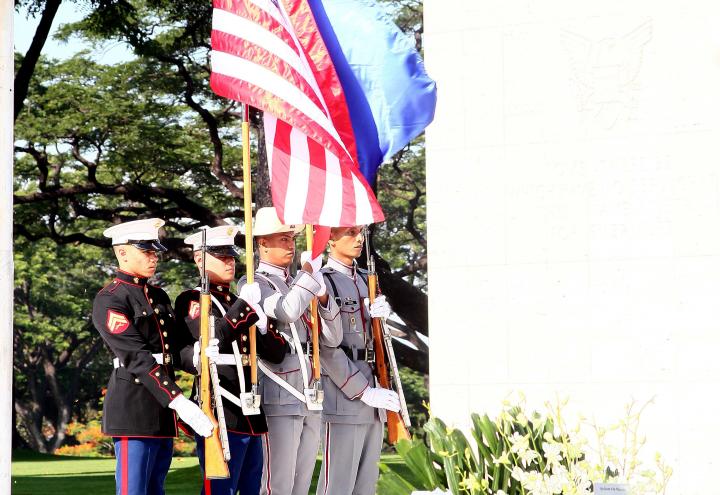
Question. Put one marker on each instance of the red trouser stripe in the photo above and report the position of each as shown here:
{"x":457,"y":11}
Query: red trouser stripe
{"x":208,"y":487}
{"x":267,"y":448}
{"x":124,"y":466}
{"x":327,"y":456}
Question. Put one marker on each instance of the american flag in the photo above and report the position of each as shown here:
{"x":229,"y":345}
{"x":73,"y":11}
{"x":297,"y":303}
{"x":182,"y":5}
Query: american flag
{"x":270,"y":55}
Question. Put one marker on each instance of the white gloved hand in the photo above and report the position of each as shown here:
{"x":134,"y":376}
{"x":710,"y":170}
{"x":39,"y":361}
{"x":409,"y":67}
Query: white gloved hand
{"x":212,"y":351}
{"x":250,"y":293}
{"x":262,"y":322}
{"x":320,"y":279}
{"x":381,"y":398}
{"x":379,"y":309}
{"x":189,"y":412}
{"x":315,"y":264}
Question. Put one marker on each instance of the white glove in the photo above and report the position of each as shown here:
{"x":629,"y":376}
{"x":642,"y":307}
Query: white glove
{"x":320,"y":279}
{"x":381,"y":398}
{"x":250,"y":293}
{"x":262,"y":322}
{"x":379,"y":309}
{"x":212,"y":351}
{"x":189,"y":412}
{"x":316,"y":264}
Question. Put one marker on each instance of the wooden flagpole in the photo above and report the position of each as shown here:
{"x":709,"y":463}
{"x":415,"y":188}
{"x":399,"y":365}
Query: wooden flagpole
{"x":249,"y":256}
{"x":314,"y":322}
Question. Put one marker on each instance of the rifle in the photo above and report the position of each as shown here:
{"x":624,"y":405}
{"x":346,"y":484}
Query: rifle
{"x":217,"y":451}
{"x":397,"y":424}
{"x":314,"y":396}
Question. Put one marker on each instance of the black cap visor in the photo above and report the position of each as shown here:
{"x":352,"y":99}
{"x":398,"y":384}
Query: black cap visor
{"x":227,"y":250}
{"x":149,"y":245}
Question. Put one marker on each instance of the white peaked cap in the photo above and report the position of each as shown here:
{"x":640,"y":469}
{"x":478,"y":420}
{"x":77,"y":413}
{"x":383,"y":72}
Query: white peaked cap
{"x":137,"y":230}
{"x":267,"y":222}
{"x":224,"y":235}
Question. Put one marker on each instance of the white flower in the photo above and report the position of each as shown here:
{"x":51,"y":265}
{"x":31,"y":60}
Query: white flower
{"x":527,"y":456}
{"x":519,"y":443}
{"x":503,"y":459}
{"x":552,"y":453}
{"x":518,"y":474}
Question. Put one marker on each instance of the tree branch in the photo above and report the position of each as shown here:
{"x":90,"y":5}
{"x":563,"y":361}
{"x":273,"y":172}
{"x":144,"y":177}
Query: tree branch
{"x":27,"y":67}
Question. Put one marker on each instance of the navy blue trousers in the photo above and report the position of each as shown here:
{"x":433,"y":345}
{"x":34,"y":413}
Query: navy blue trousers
{"x":246,"y":461}
{"x":142,"y":464}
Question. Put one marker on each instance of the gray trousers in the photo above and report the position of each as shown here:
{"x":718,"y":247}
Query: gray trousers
{"x":289,"y":453}
{"x":350,"y":459}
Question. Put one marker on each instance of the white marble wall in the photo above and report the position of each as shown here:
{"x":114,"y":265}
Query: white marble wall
{"x":574,"y":214}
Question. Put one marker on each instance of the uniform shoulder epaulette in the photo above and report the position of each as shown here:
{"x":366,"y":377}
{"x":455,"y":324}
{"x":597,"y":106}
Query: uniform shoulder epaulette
{"x":110,"y":287}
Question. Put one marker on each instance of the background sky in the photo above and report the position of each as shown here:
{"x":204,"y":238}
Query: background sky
{"x":25,"y":26}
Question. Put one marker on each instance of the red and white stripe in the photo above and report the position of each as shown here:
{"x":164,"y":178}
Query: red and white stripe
{"x":260,"y":58}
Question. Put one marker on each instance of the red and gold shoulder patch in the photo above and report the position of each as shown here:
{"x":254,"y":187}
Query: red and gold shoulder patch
{"x":116,"y":322}
{"x":194,"y":309}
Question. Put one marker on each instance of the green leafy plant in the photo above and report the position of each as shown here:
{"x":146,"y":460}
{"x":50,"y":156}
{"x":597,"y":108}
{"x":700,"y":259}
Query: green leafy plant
{"x":519,"y":453}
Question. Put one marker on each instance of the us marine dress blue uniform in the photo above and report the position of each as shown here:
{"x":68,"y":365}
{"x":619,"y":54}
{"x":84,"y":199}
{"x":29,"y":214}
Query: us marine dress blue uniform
{"x":137,"y":322}
{"x":232,"y":323}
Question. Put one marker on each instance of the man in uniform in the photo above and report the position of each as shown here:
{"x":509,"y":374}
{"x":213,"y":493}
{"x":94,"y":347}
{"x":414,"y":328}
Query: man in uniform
{"x":293,"y":430}
{"x":136,"y":321}
{"x":233,"y":318}
{"x":354,"y":409}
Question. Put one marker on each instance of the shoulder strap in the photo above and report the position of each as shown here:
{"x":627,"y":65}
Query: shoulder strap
{"x":332,"y":283}
{"x":364,"y":278}
{"x":267,"y":279}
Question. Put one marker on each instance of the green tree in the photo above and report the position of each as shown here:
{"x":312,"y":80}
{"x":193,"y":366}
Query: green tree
{"x":55,"y":346}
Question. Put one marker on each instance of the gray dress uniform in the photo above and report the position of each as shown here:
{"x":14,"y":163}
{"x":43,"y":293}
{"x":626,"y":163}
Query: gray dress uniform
{"x":353,"y":431}
{"x":293,"y":438}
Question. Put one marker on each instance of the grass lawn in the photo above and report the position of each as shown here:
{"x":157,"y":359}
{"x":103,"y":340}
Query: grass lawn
{"x":36,"y":474}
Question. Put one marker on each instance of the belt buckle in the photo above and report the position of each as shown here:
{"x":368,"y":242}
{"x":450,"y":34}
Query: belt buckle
{"x":167,"y":358}
{"x":370,"y":355}
{"x":244,"y":360}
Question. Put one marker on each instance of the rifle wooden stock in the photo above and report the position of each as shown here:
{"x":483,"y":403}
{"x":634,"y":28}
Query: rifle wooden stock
{"x":395,"y":424}
{"x":215,"y":465}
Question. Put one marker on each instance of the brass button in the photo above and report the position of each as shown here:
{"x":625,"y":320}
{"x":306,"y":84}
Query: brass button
{"x":235,"y":320}
{"x":157,"y":311}
{"x":115,"y":281}
{"x":173,"y":392}
{"x":227,"y":298}
{"x":150,"y":300}
{"x":220,"y":287}
{"x":157,"y":373}
{"x":242,"y":315}
{"x":244,"y":338}
{"x":244,"y":349}
{"x":165,"y":383}
{"x":162,"y":322}
{"x":271,"y":326}
{"x":164,"y":334}
{"x":247,"y":308}
{"x":167,"y":346}
{"x":137,"y":380}
{"x":136,"y":280}
{"x":146,"y":290}
{"x":144,"y":313}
